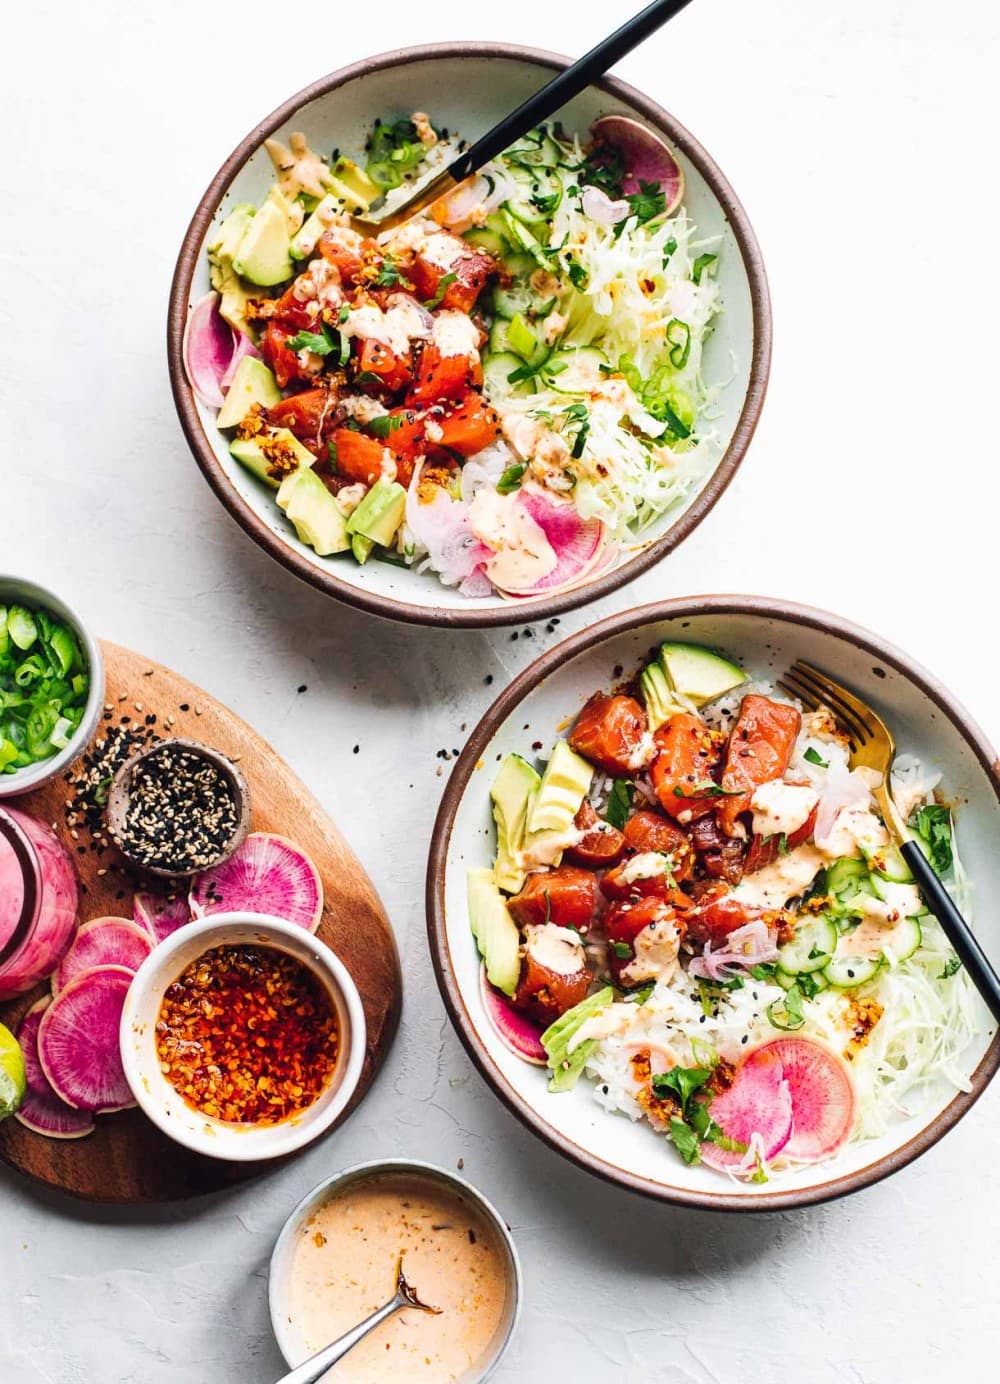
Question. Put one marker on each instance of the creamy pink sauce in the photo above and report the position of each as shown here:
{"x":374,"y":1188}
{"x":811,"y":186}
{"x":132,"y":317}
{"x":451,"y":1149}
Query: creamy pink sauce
{"x":344,"y":1267}
{"x":38,"y":957}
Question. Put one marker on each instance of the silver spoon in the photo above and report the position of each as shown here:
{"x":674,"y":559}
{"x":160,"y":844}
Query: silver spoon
{"x":317,"y":1365}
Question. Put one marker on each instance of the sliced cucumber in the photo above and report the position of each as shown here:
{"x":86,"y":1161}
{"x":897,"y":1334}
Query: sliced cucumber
{"x":813,"y":945}
{"x":902,"y":941}
{"x":523,"y":238}
{"x":489,"y":240}
{"x":500,"y":342}
{"x":817,"y":981}
{"x":496,"y":371}
{"x":520,"y":265}
{"x":843,"y":875}
{"x":845,"y":972}
{"x":513,"y":300}
{"x":574,"y":369}
{"x":888,"y":863}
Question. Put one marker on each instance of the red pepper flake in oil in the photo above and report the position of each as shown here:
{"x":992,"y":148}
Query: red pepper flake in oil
{"x":248,"y":1035}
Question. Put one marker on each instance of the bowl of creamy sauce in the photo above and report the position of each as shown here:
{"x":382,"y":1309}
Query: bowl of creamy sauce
{"x":336,"y":1259}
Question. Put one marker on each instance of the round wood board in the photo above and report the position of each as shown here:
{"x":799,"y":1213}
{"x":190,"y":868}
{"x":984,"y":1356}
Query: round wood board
{"x":127,"y":1159}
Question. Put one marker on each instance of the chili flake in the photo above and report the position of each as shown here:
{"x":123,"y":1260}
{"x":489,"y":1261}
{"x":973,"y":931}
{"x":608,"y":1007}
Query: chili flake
{"x":248,"y":1035}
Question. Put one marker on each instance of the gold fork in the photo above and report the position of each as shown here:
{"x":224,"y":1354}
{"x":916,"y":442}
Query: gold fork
{"x":872,"y":747}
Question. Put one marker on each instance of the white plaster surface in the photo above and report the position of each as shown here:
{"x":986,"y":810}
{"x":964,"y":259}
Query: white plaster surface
{"x":862,"y":139}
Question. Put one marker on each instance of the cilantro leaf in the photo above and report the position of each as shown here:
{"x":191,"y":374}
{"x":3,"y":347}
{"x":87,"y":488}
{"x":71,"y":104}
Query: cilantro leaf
{"x":933,"y":824}
{"x":385,"y":425}
{"x":685,"y":1139}
{"x":325,"y":342}
{"x":444,"y":283}
{"x":682,"y":1082}
{"x":622,"y":950}
{"x":619,"y":803}
{"x":951,"y":966}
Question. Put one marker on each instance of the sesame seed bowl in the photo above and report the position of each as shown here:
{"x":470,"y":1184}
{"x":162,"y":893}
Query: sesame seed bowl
{"x":158,"y":992}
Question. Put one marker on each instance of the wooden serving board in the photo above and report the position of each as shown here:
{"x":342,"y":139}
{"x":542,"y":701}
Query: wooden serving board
{"x":127,"y":1159}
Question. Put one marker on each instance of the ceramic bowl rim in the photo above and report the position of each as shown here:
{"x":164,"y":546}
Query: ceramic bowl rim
{"x":502,"y":708}
{"x":35,"y":775}
{"x":143,"y":1000}
{"x":372,"y":1167}
{"x":513,"y":612}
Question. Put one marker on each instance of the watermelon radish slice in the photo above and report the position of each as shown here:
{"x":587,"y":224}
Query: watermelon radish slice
{"x":267,"y":874}
{"x":576,"y":542}
{"x":823,"y":1099}
{"x":758,"y":1102}
{"x":78,"y":1041}
{"x":160,"y":914}
{"x":208,"y":349}
{"x":42,"y":1111}
{"x":103,"y":942}
{"x":647,"y":158}
{"x":514,"y":1028}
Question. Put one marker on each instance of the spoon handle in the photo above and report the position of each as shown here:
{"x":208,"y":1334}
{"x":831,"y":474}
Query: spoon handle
{"x":317,"y":1365}
{"x":564,"y":86}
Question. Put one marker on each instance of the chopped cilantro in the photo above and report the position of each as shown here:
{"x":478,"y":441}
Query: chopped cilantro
{"x":951,"y":966}
{"x":444,"y":284}
{"x":385,"y":425}
{"x":619,"y":803}
{"x":682,"y":1082}
{"x":578,"y":276}
{"x":933,"y":824}
{"x":644,"y":205}
{"x":325,"y":342}
{"x":622,"y":950}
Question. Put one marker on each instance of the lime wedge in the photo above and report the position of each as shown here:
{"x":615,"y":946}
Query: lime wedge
{"x":12,"y":1080}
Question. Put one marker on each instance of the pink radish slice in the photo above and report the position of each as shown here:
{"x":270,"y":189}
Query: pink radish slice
{"x":268,"y":874}
{"x":78,"y":1041}
{"x":576,"y":542}
{"x":208,"y":349}
{"x":103,"y":942}
{"x":758,"y":1102}
{"x":41,"y":1110}
{"x":514,"y":1028}
{"x":647,"y":159}
{"x":160,"y":914}
{"x":822,"y":1093}
{"x":242,"y":346}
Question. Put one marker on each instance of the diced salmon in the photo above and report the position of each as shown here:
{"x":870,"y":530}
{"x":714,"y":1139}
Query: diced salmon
{"x":467,"y":427}
{"x":759,"y":750}
{"x":609,"y":732}
{"x":292,"y":311}
{"x":543,"y":994}
{"x":406,"y":438}
{"x":687,"y":756}
{"x":356,"y":456}
{"x":471,"y":268}
{"x":565,"y":896}
{"x":720,"y":856}
{"x":306,"y":415}
{"x":274,"y":348}
{"x":623,"y":924}
{"x":345,"y":249}
{"x":443,"y":377}
{"x":764,"y":850}
{"x":394,"y":372}
{"x":649,"y":831}
{"x":717,"y":914}
{"x":601,"y":844}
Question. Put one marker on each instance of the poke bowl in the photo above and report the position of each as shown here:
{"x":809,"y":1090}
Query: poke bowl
{"x":672,"y":930}
{"x":501,"y":410}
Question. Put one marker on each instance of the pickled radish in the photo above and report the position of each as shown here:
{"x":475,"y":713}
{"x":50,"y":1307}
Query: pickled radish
{"x":822,"y":1093}
{"x":78,"y":1044}
{"x":160,"y":914}
{"x":103,"y":942}
{"x":576,"y":542}
{"x":41,"y":1110}
{"x":647,"y":158}
{"x":208,"y":350}
{"x":758,"y":1102}
{"x":515,"y":1029}
{"x":267,"y":874}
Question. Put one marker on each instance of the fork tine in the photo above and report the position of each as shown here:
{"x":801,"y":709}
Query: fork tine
{"x":801,"y":693}
{"x":868,"y":717}
{"x":857,"y":734}
{"x":832,"y":694}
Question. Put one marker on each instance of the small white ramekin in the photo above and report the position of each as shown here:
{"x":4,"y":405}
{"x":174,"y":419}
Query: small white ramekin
{"x":21,"y":591}
{"x":166,"y":1107}
{"x":279,"y":1272}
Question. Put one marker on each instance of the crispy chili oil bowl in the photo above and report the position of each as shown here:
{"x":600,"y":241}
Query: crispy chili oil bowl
{"x":247,"y":1035}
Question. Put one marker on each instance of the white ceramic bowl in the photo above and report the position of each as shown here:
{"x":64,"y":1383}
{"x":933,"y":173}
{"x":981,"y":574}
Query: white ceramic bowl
{"x":279,"y":1273}
{"x":765,"y":637}
{"x":21,"y":591}
{"x":468,"y":87}
{"x":167,"y":1109}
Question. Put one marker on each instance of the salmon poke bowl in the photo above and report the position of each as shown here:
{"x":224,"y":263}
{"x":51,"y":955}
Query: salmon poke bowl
{"x":505,"y":406}
{"x":672,"y":928}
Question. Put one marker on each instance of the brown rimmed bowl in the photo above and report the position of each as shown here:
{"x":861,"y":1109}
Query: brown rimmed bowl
{"x":468,"y":87}
{"x":765,"y":636}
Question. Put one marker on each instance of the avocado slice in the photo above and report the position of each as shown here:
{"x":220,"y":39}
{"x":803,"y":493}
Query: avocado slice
{"x":512,"y":793}
{"x":657,"y":695}
{"x":221,"y":248}
{"x":272,"y":455}
{"x":362,"y":191}
{"x":318,"y":519}
{"x":380,"y":513}
{"x":291,"y":211}
{"x":361,"y":547}
{"x":253,"y":383}
{"x":698,"y":673}
{"x":495,"y":931}
{"x":564,"y":786}
{"x":564,"y":1065}
{"x":263,"y":254}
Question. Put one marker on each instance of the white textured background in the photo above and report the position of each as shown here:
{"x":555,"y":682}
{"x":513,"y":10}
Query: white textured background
{"x":861,"y":137}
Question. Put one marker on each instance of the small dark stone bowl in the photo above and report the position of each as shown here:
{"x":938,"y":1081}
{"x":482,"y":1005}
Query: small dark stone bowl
{"x":121,"y":788}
